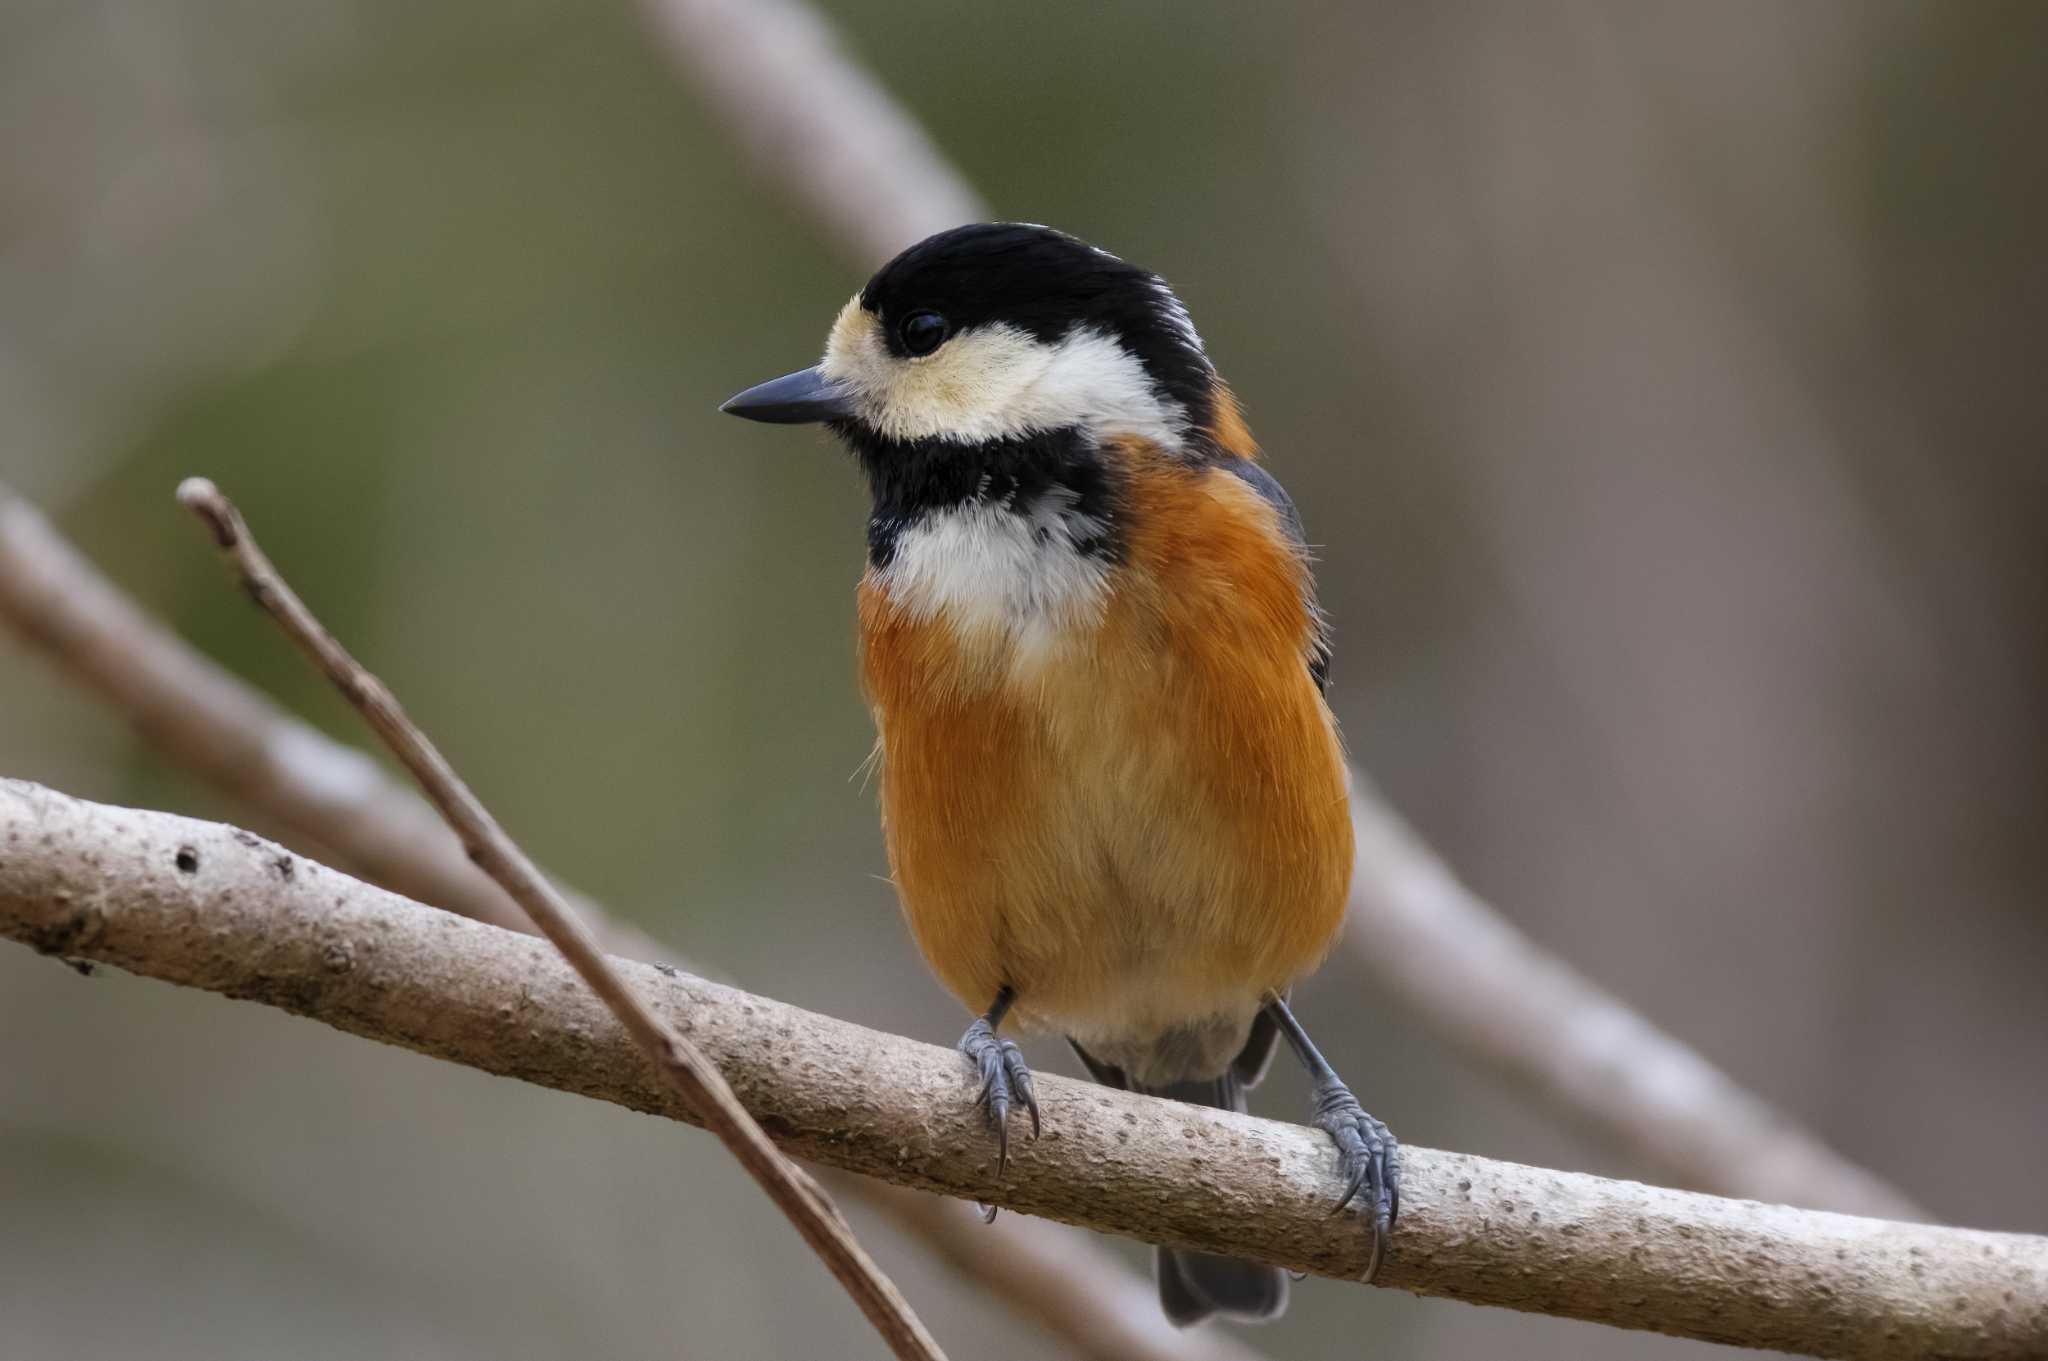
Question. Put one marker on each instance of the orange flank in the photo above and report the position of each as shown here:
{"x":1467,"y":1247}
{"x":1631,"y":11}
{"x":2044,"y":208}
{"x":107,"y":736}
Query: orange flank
{"x":1226,"y":425}
{"x":1133,"y":815}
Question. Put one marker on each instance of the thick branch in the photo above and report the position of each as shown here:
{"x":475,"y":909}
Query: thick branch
{"x":211,"y":907}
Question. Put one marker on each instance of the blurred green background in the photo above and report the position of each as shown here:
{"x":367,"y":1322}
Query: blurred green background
{"x":1663,"y":384}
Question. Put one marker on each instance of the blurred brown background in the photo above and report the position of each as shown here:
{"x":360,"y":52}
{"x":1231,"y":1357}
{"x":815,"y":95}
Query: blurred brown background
{"x":1662,"y":382}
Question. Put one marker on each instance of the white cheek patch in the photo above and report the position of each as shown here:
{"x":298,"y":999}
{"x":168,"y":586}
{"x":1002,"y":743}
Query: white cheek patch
{"x":1018,"y":573}
{"x":1092,"y":381}
{"x":996,"y":382}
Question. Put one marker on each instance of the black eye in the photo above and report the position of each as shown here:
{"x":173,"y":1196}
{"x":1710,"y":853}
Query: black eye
{"x":923,"y":332}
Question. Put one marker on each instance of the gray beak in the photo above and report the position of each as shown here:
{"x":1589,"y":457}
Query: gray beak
{"x":801,"y":398}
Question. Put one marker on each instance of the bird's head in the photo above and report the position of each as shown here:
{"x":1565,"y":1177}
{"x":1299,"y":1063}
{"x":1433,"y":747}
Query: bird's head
{"x":988,"y":371}
{"x":1001,"y":331}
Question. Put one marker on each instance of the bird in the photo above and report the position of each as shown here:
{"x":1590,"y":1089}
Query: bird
{"x":1114,"y":797}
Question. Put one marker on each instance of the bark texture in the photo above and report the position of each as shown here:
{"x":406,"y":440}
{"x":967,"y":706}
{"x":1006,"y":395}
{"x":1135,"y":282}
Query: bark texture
{"x":214,"y":907}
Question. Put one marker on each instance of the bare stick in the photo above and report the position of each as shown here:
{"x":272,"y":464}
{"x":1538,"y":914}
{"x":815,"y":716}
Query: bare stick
{"x":1494,"y":994}
{"x":816,"y":122}
{"x":682,"y":1065}
{"x":248,"y":748}
{"x":1444,"y":952}
{"x":331,"y":796}
{"x":206,"y":906}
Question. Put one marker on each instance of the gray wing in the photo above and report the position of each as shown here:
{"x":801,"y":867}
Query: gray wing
{"x":1269,"y":489}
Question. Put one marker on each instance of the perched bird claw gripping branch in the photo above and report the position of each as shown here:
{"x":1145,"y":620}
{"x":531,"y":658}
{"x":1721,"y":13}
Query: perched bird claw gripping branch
{"x":1113,"y":794}
{"x":1005,"y":1078}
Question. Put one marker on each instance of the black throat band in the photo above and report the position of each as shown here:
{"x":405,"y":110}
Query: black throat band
{"x":911,"y":480}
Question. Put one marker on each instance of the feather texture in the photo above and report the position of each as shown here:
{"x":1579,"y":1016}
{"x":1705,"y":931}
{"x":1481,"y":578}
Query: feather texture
{"x":1130,"y":809}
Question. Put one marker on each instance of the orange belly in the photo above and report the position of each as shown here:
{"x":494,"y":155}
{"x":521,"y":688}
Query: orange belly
{"x":1132,"y":814}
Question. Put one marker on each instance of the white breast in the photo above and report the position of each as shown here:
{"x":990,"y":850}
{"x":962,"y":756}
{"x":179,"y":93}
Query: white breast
{"x":1017,"y":577}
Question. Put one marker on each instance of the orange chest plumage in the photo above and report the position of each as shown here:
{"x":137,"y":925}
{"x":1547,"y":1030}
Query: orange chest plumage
{"x":1110,"y":785}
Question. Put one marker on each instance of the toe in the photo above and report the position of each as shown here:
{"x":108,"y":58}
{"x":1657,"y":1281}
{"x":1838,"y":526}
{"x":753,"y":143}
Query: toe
{"x":1020,"y":1082}
{"x":1004,"y":1082}
{"x":1365,"y":1173}
{"x":1393,"y":1215}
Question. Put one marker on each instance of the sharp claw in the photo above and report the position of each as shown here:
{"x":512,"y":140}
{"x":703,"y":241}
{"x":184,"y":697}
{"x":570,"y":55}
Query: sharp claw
{"x":1372,"y":1265}
{"x":1020,"y":1083}
{"x":1351,"y":1190}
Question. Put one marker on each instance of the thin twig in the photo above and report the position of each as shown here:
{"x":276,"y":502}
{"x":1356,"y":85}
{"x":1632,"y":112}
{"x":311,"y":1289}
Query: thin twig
{"x":332,"y":797}
{"x":212,"y":722}
{"x":682,"y":1065}
{"x":203,"y":905}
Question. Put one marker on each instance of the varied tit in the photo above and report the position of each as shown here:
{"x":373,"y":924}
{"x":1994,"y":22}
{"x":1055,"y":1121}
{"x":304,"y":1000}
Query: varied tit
{"x":1113,"y":795}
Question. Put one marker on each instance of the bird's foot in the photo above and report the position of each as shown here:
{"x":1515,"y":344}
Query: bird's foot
{"x":1369,"y":1157}
{"x":1005,"y":1081}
